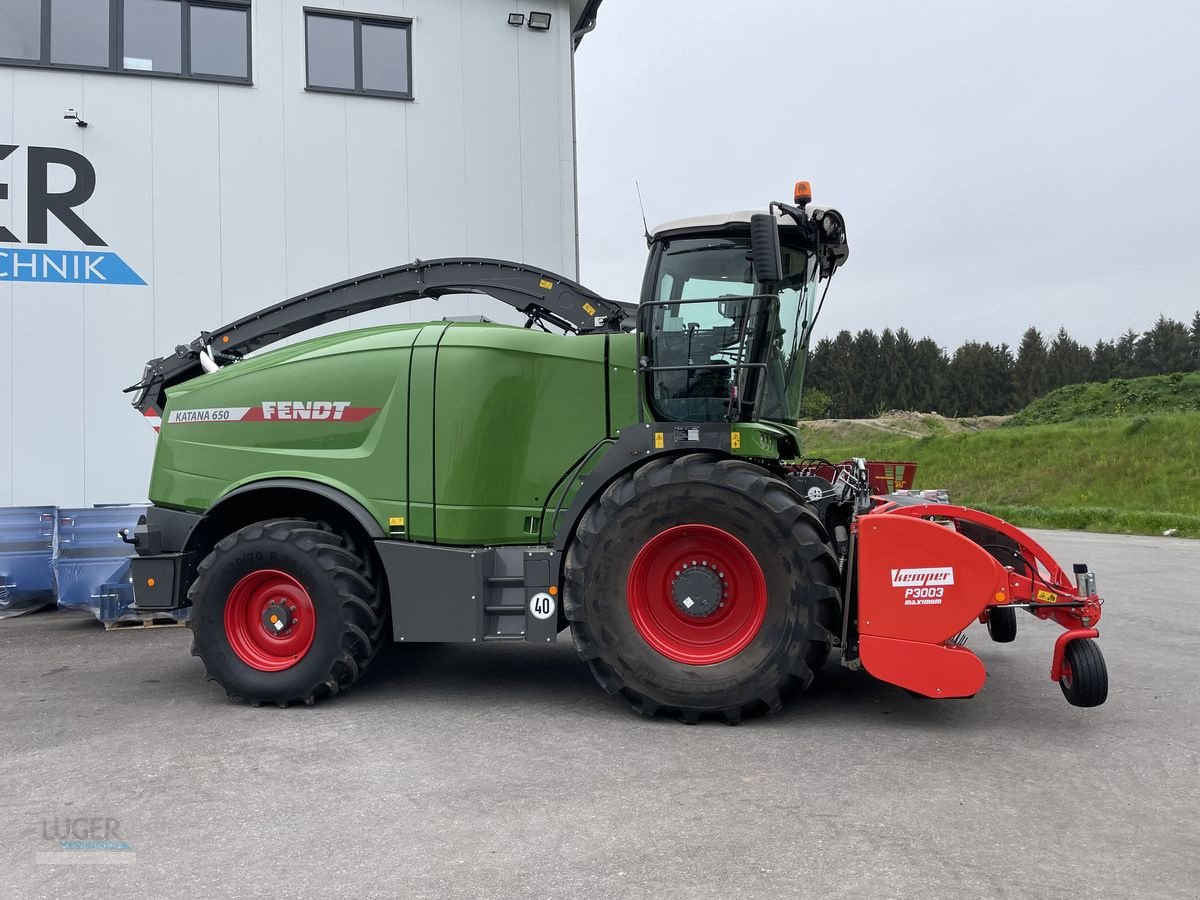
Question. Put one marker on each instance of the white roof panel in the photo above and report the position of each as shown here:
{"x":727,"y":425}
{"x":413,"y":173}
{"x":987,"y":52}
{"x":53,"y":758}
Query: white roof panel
{"x":718,"y":220}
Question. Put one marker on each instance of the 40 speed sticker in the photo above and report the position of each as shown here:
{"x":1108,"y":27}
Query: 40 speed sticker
{"x":542,"y":606}
{"x":276,"y":411}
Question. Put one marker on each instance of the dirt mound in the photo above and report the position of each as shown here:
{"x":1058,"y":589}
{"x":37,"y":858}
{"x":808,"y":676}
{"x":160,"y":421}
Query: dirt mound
{"x":903,"y":423}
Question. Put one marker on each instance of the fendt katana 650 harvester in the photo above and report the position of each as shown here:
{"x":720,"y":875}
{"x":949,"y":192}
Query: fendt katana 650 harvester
{"x":637,"y":478}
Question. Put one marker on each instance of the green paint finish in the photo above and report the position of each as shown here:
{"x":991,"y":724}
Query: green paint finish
{"x":419,"y":426}
{"x":239,"y":440}
{"x":462,"y":429}
{"x":623,"y":395}
{"x":515,"y":409}
{"x":766,"y":440}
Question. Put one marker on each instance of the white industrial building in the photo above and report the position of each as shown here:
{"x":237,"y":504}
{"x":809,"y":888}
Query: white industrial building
{"x":167,"y":166}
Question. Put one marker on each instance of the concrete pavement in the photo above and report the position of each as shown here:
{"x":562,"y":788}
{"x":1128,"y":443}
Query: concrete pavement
{"x":504,"y":771}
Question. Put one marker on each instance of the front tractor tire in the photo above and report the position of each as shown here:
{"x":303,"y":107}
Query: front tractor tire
{"x":700,"y":586}
{"x":284,"y":611}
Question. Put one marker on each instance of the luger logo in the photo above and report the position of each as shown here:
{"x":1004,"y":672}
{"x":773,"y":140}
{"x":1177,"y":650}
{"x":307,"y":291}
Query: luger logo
{"x":57,"y":266}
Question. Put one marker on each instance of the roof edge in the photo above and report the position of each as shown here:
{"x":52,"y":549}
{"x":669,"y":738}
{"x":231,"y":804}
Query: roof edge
{"x":586,"y":22}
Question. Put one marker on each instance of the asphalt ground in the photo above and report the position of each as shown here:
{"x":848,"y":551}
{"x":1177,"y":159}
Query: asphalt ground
{"x":504,"y":771}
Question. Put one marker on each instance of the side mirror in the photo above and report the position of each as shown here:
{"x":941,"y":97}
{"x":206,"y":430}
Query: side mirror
{"x":765,"y":255}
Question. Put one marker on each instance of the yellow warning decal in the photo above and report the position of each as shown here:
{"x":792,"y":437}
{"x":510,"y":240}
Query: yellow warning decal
{"x":396,"y":522}
{"x":545,"y":284}
{"x":589,"y":309}
{"x":735,"y":440}
{"x":1046,"y":597}
{"x":658,"y":440}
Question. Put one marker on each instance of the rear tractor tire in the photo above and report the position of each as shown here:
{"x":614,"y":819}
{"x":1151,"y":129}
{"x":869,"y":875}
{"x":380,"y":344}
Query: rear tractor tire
{"x":701,"y":587}
{"x":1084,"y":679}
{"x":1002,"y":624}
{"x":285,"y":611}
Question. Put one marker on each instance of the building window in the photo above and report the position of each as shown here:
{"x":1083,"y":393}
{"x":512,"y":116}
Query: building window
{"x":151,"y":30}
{"x":201,"y":39}
{"x":350,"y":54}
{"x":79,"y":32}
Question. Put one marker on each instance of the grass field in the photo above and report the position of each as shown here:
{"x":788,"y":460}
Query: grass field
{"x":1134,"y":475}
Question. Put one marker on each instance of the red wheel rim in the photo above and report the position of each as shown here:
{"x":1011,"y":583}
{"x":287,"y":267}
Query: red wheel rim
{"x":270,"y":620}
{"x":697,"y":640}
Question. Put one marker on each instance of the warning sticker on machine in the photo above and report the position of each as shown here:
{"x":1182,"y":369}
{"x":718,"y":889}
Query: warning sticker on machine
{"x":276,"y":410}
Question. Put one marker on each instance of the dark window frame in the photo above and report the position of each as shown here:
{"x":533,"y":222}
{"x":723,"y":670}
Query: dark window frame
{"x":402,"y":23}
{"x":116,"y":45}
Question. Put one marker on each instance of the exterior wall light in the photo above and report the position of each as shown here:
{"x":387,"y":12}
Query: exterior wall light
{"x":539,"y":21}
{"x":517,"y":19}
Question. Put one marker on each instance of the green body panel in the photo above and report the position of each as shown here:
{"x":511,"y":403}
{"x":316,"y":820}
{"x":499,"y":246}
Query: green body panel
{"x":515,"y":410}
{"x":419,"y":432}
{"x":462,"y":432}
{"x":767,"y":440}
{"x":196,"y":463}
{"x":473,"y":425}
{"x":624,"y":394}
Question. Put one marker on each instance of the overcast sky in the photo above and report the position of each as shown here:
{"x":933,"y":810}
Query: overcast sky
{"x":998,"y":164}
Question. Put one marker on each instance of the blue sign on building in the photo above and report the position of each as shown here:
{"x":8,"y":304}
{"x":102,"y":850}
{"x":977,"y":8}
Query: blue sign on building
{"x":65,"y":267}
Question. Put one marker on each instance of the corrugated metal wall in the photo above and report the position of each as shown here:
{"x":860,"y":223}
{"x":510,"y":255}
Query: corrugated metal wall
{"x":226,"y":197}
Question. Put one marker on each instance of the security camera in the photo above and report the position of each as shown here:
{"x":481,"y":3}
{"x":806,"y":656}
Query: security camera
{"x":72,"y":115}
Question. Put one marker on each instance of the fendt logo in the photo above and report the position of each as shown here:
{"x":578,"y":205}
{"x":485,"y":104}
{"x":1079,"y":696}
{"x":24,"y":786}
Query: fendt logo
{"x":277,"y":411}
{"x":923,"y":587}
{"x":57,"y":266}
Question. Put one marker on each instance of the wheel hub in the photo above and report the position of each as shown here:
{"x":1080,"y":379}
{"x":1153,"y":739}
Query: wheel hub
{"x":698,"y":590}
{"x":278,"y":618}
{"x":696,"y":594}
{"x":270,"y":620}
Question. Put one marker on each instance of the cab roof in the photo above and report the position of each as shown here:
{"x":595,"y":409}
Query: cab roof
{"x":720,"y":220}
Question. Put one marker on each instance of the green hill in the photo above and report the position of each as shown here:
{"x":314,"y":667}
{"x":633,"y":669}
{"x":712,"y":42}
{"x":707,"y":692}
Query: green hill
{"x":1115,"y":399}
{"x":1136,"y":474}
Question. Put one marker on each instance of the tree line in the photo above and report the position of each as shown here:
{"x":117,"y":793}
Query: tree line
{"x":861,"y":375}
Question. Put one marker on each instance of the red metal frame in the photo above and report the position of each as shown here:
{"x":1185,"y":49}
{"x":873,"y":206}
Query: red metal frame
{"x":885,"y":475}
{"x":696,"y":641}
{"x":249,"y":638}
{"x":922,"y":581}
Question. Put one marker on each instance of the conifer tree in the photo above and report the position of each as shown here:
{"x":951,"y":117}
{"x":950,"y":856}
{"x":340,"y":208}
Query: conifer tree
{"x":1031,"y":376}
{"x":1195,"y":342}
{"x":1069,"y":361}
{"x":1163,"y":349}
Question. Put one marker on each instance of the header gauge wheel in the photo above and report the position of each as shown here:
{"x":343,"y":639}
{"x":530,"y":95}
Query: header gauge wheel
{"x":701,"y":586}
{"x":1084,"y":679}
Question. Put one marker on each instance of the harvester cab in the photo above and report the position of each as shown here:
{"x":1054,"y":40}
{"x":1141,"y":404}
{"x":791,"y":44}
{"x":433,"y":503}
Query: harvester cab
{"x":642,"y":483}
{"x":727,"y":310}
